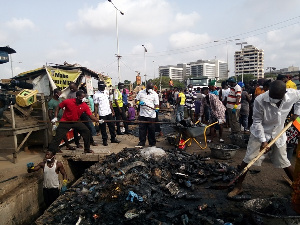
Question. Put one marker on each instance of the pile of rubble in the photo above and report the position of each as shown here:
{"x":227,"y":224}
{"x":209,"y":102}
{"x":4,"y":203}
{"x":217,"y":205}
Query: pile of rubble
{"x":148,"y":186}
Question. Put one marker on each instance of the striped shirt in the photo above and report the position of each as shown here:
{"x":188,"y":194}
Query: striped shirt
{"x":233,"y":94}
{"x":190,"y":98}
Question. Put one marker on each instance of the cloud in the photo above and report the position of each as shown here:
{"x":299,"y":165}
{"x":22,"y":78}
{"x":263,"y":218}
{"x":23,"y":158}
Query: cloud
{"x":183,"y":20}
{"x":20,"y":24}
{"x":3,"y":36}
{"x":142,"y":18}
{"x":62,"y":52}
{"x":188,"y":39}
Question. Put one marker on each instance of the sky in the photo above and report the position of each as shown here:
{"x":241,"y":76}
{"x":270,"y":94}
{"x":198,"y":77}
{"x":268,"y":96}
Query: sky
{"x":172,"y":31}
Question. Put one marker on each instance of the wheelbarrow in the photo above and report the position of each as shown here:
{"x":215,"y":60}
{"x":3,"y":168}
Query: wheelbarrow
{"x":187,"y":134}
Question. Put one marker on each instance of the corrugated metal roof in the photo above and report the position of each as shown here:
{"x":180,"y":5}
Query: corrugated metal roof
{"x":30,"y":72}
{"x":7,"y":49}
{"x":63,"y":67}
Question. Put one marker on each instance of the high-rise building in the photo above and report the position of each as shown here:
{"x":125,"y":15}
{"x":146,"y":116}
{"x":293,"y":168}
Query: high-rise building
{"x":249,"y":60}
{"x":178,"y":72}
{"x":210,"y":69}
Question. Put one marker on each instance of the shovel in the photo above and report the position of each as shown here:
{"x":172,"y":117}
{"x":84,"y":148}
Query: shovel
{"x":220,"y":187}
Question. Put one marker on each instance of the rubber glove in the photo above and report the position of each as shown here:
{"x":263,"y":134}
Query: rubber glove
{"x":220,"y":121}
{"x":54,"y":120}
{"x":30,"y":166}
{"x":64,"y":186}
{"x":234,"y":109}
{"x":157,"y":110}
{"x":142,"y":103}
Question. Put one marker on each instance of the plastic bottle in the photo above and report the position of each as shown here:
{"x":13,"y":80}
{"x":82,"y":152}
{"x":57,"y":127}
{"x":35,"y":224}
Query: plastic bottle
{"x":296,"y":183}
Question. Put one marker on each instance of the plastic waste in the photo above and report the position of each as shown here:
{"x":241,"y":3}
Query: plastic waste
{"x":131,"y":196}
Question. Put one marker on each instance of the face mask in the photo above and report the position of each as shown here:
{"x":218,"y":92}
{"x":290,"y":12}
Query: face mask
{"x":274,"y":100}
{"x":49,"y":160}
{"x":261,"y":87}
{"x":190,"y":89}
{"x":149,"y":91}
{"x":84,"y":99}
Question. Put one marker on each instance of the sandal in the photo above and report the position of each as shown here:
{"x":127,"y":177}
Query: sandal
{"x":71,"y":148}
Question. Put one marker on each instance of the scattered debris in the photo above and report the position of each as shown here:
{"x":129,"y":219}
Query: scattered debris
{"x":129,"y":188}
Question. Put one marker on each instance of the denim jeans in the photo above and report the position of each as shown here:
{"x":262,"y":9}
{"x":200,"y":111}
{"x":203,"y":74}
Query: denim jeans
{"x":180,"y":113}
{"x":244,"y":121}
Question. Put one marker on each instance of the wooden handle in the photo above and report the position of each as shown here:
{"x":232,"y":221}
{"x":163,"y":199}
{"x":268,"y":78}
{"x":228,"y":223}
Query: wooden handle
{"x":261,"y":152}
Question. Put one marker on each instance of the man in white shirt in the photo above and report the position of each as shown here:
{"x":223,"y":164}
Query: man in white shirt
{"x":149,"y":105}
{"x":269,"y":114}
{"x":105,"y":110}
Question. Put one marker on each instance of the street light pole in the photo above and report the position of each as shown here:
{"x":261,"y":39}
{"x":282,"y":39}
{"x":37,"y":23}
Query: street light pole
{"x":271,"y":68}
{"x":242,"y":43}
{"x":227,"y":41}
{"x":117,"y":30}
{"x":145,"y":50}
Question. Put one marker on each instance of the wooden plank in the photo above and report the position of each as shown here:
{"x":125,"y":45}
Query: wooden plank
{"x":12,"y":117}
{"x":25,"y":139}
{"x":15,"y":148}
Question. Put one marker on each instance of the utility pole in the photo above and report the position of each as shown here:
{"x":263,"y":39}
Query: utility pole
{"x":271,"y":68}
{"x":145,"y":50}
{"x":118,"y":52}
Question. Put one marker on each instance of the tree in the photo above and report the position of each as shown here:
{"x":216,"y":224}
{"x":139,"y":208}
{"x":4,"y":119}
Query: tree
{"x":165,"y":83}
{"x":246,"y":78}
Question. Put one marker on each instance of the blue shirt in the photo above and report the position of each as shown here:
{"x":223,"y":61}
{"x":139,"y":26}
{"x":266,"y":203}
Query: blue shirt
{"x":124,"y":97}
{"x":215,"y":92}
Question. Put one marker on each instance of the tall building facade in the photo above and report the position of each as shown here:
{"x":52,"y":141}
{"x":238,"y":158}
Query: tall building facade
{"x":178,"y":72}
{"x":211,"y":69}
{"x":249,"y":60}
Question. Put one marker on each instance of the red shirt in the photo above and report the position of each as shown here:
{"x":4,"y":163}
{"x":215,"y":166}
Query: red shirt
{"x":73,"y":111}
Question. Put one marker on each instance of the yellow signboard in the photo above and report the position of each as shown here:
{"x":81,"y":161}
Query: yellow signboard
{"x":107,"y":81}
{"x":62,"y":78}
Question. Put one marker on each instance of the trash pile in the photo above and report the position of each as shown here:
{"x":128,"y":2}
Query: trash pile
{"x":148,"y":186}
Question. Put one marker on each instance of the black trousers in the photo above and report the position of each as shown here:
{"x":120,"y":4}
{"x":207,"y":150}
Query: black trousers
{"x":111,"y":127}
{"x":63,"y":128}
{"x":89,"y":125}
{"x":147,"y":127}
{"x":50,"y":195}
{"x":157,"y":125}
{"x":120,"y":116}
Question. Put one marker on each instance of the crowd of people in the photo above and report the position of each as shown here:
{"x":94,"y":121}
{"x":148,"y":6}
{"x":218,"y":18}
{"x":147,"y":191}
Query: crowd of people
{"x":264,"y":105}
{"x":231,"y":105}
{"x":87,"y":115}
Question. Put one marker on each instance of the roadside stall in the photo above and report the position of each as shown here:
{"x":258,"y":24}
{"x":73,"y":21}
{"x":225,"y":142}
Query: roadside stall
{"x":24,"y":119}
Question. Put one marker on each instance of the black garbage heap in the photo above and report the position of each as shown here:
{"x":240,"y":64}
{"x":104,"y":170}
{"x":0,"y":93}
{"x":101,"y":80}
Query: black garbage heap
{"x":148,"y":186}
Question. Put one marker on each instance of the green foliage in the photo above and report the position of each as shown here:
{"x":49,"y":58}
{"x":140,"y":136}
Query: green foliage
{"x":165,"y":83}
{"x":271,"y":75}
{"x":246,"y":78}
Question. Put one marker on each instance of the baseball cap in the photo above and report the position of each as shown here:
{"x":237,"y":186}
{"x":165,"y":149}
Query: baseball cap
{"x":241,"y":84}
{"x":231,"y":80}
{"x":212,"y":83}
{"x":101,"y":84}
